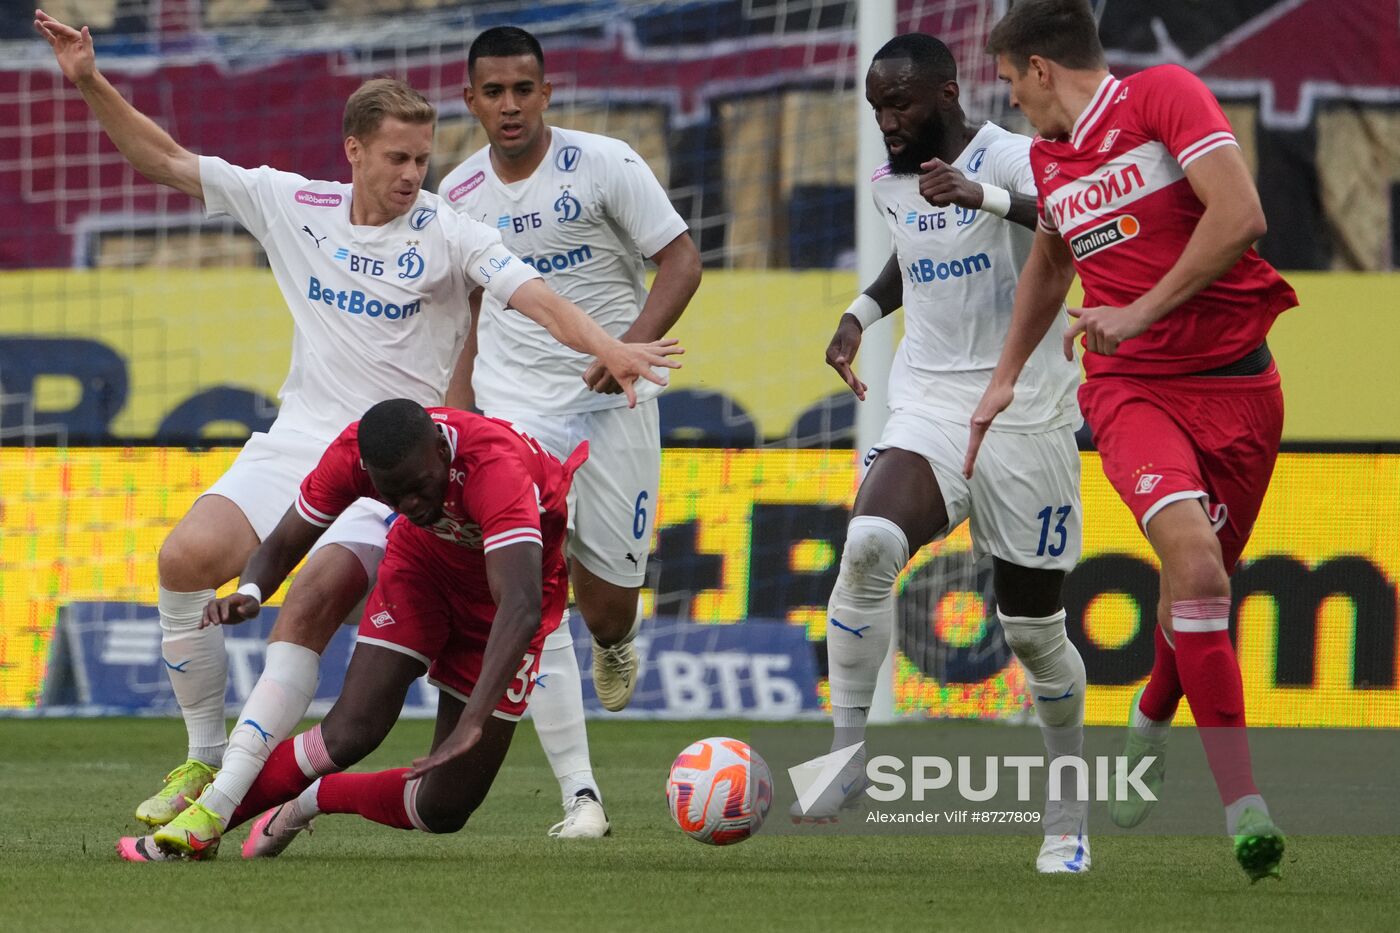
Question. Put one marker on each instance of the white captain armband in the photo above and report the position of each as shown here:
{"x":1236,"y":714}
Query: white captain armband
{"x":996,"y":200}
{"x":865,"y":310}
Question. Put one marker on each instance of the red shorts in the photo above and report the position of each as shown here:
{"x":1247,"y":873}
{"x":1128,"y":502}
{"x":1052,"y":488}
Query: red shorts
{"x":431,"y":602}
{"x":1167,"y":438}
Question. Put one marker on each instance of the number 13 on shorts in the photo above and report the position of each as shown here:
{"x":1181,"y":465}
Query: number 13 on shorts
{"x":1053,"y":534}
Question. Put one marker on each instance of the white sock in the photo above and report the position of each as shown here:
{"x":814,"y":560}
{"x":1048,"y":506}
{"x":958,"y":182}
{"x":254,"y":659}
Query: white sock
{"x":1056,"y":680}
{"x":860,"y":620}
{"x":1149,"y":729}
{"x":556,"y":706}
{"x":1235,"y":810}
{"x":1054,"y":669}
{"x":197,"y":665}
{"x":276,"y":704}
{"x":306,"y":803}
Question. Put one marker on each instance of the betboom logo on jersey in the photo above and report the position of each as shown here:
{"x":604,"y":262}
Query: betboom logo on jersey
{"x":354,"y":301}
{"x":928,"y":270}
{"x":318,"y":198}
{"x":1103,"y":236}
{"x":559,"y":261}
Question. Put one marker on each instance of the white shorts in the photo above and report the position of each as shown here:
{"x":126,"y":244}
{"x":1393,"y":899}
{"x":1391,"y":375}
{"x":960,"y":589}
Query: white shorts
{"x":612,"y":505}
{"x":1023,"y":499}
{"x":263,"y":482}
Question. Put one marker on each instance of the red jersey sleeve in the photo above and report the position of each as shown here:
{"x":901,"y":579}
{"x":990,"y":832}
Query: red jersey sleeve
{"x":338,"y":480}
{"x":1177,"y":108}
{"x":501,"y":496}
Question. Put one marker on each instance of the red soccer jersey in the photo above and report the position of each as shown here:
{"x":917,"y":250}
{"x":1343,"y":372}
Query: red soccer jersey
{"x":1116,"y":190}
{"x":502,"y":487}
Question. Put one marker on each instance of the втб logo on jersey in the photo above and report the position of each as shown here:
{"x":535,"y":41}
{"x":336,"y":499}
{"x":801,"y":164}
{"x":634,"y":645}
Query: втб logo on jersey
{"x":929,"y":270}
{"x":354,"y":301}
{"x":1104,"y":235}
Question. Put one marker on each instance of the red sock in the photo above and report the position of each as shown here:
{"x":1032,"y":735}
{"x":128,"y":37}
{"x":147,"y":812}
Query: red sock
{"x":1163,"y":691}
{"x":280,"y":780}
{"x":290,"y":769}
{"x":384,"y":797}
{"x":1210,"y":676}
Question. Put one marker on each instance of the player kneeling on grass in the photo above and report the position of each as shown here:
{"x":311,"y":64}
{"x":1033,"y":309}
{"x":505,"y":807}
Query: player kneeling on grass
{"x":954,"y":271}
{"x":473,"y":579}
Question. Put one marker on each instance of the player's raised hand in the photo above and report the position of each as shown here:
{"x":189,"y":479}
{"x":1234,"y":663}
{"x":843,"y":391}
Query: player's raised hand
{"x":230,"y":610}
{"x":627,"y":362}
{"x":459,"y":741}
{"x":1103,"y":327}
{"x":842,"y":350}
{"x":72,"y":48}
{"x":942,"y":185}
{"x":994,"y":401}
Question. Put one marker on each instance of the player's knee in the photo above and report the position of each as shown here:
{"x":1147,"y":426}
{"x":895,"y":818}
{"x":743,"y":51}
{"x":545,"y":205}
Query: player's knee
{"x":1033,"y":639}
{"x":876,"y":551}
{"x":1199,"y":575}
{"x":178,"y":563}
{"x":450,"y":820}
{"x":445,"y":812}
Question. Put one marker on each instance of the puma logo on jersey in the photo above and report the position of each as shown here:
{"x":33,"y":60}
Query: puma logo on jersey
{"x":318,"y":239}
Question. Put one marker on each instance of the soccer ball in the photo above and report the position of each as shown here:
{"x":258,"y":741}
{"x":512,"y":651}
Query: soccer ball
{"x":719,"y":791}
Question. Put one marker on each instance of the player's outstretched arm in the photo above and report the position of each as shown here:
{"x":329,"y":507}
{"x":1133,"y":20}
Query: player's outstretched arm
{"x":267,"y":569}
{"x":571,"y":326}
{"x":880,"y":298}
{"x":678,"y":273}
{"x":1040,"y":293}
{"x":148,"y":148}
{"x":514,"y":575}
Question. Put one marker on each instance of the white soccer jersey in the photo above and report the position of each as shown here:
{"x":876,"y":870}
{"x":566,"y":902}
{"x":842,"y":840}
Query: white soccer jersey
{"x":960,"y":269}
{"x":585,"y":220}
{"x":379,"y":312}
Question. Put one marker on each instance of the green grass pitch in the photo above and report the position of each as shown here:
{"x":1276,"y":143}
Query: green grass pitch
{"x":69,"y":787}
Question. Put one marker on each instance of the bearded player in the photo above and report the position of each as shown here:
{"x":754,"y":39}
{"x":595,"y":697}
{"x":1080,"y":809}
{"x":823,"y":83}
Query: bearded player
{"x":376,"y":277}
{"x":472,"y":581}
{"x":585,"y":210}
{"x":960,"y":204}
{"x":1144,"y":193}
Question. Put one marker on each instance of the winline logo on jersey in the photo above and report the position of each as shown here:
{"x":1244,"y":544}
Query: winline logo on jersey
{"x":1104,"y":235}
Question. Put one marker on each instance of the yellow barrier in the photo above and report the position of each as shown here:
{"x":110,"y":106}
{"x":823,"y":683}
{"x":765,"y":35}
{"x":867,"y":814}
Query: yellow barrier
{"x":1317,"y":632}
{"x":758,"y":337}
